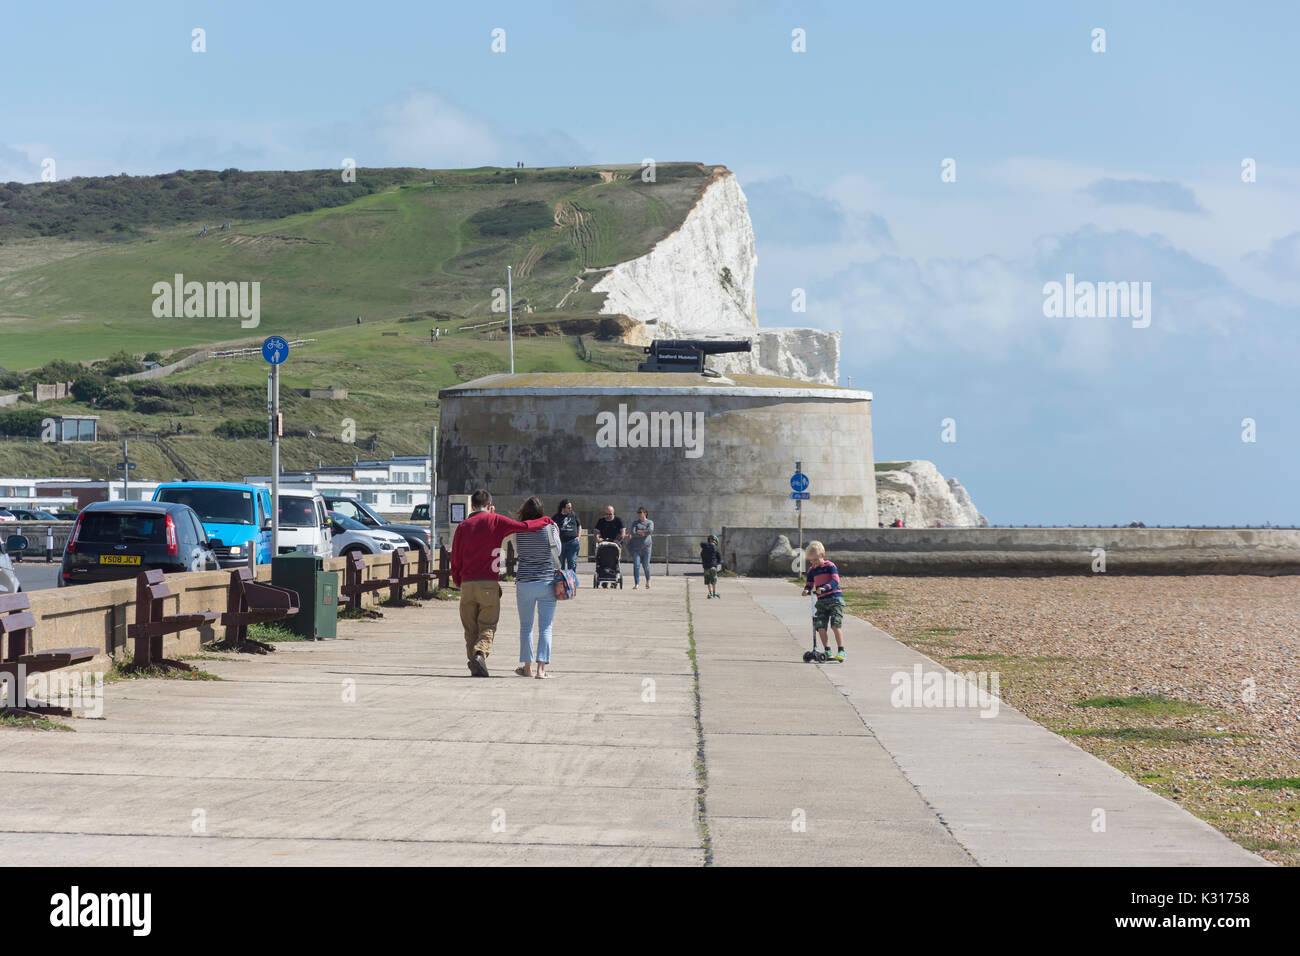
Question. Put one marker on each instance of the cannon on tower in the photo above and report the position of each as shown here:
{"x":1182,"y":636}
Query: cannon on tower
{"x":687,"y":355}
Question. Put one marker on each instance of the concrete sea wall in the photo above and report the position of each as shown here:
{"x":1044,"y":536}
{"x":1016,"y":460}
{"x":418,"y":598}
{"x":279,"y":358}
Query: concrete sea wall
{"x":1014,"y":551}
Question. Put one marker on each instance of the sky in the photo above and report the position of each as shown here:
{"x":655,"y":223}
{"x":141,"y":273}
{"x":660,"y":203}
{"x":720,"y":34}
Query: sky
{"x":920,"y":171}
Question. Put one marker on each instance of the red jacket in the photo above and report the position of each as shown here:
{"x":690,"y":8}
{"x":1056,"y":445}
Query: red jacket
{"x":475,"y":554}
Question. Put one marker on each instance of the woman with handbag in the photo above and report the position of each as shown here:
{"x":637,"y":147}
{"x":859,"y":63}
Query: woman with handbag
{"x":538,"y":558}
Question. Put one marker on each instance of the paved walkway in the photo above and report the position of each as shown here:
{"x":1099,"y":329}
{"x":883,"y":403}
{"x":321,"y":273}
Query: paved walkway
{"x":379,"y":748}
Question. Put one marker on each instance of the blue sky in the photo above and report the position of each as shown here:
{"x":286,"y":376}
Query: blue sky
{"x":1115,"y":166}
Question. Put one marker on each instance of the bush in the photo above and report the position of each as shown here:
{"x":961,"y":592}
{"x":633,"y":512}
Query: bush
{"x":513,"y":218}
{"x":155,"y":406}
{"x":241,"y":428}
{"x":119,"y":363}
{"x":115,"y":395}
{"x":88,"y":387}
{"x":25,"y":422}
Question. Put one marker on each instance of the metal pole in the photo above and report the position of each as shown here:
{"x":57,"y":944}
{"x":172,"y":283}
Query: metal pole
{"x":126,"y":472}
{"x":510,"y":318}
{"x":433,"y":488}
{"x":275,"y":460}
{"x":798,"y":507}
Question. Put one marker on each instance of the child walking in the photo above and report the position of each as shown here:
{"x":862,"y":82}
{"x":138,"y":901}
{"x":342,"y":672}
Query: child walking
{"x":823,"y":580}
{"x":711,"y":560}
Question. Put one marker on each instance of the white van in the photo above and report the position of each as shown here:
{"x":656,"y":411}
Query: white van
{"x":304,"y":524}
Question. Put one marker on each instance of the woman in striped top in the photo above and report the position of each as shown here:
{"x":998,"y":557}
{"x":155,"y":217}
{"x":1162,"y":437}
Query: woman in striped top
{"x":538,"y":556}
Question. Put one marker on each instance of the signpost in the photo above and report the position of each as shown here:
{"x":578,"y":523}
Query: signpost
{"x":125,"y":466}
{"x":799,"y":492}
{"x":275,"y":350}
{"x":433,"y":492}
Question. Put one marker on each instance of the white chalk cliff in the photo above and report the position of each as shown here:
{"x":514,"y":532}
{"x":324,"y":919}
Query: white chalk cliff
{"x":917,"y":493}
{"x":698,"y":282}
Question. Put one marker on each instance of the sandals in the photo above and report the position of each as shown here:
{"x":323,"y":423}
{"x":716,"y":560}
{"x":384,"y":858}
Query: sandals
{"x":520,"y":672}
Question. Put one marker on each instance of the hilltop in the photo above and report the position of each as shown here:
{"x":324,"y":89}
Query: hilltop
{"x":395,"y":243}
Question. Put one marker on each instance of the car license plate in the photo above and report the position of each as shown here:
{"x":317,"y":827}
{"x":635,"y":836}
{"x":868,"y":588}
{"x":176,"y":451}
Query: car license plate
{"x":119,"y":559}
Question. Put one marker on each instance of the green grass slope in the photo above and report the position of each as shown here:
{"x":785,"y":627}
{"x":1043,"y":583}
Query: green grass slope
{"x":421,"y":241}
{"x":390,"y":368}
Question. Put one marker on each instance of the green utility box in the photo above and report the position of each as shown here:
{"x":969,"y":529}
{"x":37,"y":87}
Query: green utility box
{"x":318,"y":594}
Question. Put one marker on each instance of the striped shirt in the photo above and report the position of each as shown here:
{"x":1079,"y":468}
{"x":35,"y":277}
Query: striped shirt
{"x":824,"y":579}
{"x":537,"y":553}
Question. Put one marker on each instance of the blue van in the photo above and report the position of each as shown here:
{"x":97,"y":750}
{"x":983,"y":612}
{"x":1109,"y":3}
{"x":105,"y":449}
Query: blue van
{"x":233,"y":514}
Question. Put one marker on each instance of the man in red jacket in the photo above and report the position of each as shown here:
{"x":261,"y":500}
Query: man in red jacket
{"x":475,"y":566}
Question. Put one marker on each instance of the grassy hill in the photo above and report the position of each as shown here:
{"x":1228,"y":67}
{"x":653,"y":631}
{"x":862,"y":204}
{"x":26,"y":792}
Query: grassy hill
{"x":391,"y":371}
{"x":394,"y":244}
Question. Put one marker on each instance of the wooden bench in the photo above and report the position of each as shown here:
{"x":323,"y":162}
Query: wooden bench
{"x":151,"y":624}
{"x":252,"y":602}
{"x":18,"y":660}
{"x":424,"y":573}
{"x":402,"y":575}
{"x":353,"y":584}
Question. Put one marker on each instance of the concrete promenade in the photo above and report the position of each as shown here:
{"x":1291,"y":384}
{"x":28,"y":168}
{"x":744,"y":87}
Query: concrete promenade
{"x":379,"y":748}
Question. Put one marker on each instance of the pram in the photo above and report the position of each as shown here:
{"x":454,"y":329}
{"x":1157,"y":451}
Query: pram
{"x":608,"y":570}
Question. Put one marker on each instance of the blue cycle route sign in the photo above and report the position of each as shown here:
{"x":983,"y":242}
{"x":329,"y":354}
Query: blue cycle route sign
{"x":275,"y":350}
{"x":799,"y":481}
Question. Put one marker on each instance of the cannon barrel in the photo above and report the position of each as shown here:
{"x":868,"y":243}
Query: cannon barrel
{"x":703,"y":346}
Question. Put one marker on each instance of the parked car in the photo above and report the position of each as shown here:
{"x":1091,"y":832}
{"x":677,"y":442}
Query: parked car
{"x":67,"y":514}
{"x":28,"y":514}
{"x":304,"y":525}
{"x":420,"y":513}
{"x":233,"y":514}
{"x":349,"y":535}
{"x":113,"y":540}
{"x":16,"y":544}
{"x":7,"y":515}
{"x":358,"y":511}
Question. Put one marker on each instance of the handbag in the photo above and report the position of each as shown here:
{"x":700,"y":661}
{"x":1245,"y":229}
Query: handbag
{"x":566,"y":584}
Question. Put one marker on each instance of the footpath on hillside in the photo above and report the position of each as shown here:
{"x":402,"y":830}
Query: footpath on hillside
{"x":380,"y":748}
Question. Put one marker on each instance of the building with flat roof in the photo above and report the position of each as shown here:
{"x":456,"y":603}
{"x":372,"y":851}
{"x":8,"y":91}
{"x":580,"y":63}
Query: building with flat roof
{"x":390,"y":486}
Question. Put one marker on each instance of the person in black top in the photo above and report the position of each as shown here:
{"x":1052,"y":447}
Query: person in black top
{"x":711,"y":561}
{"x":570,"y":535}
{"x":610,"y":527}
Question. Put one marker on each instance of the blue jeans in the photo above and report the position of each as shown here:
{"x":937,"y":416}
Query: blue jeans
{"x":539,"y":595}
{"x":569,"y":555}
{"x":640,"y":559}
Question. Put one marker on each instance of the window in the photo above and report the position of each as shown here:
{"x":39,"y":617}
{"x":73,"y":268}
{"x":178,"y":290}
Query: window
{"x":401,"y":497}
{"x":368,"y":497}
{"x":218,"y":505}
{"x":122,"y":527}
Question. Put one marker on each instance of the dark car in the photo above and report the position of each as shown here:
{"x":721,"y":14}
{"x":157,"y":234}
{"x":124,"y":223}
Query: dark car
{"x":415,"y":536}
{"x":113,"y":540}
{"x":27,"y":514}
{"x":420,"y":513}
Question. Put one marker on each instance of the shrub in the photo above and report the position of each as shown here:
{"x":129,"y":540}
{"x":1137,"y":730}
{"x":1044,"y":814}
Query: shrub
{"x":119,"y":363}
{"x":513,"y":218}
{"x":25,"y":422}
{"x":150,"y":405}
{"x":88,"y":387}
{"x":115,"y":395}
{"x":241,"y":428}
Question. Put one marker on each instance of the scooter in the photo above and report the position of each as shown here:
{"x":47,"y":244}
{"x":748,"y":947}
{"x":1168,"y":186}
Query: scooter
{"x":814,"y":655}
